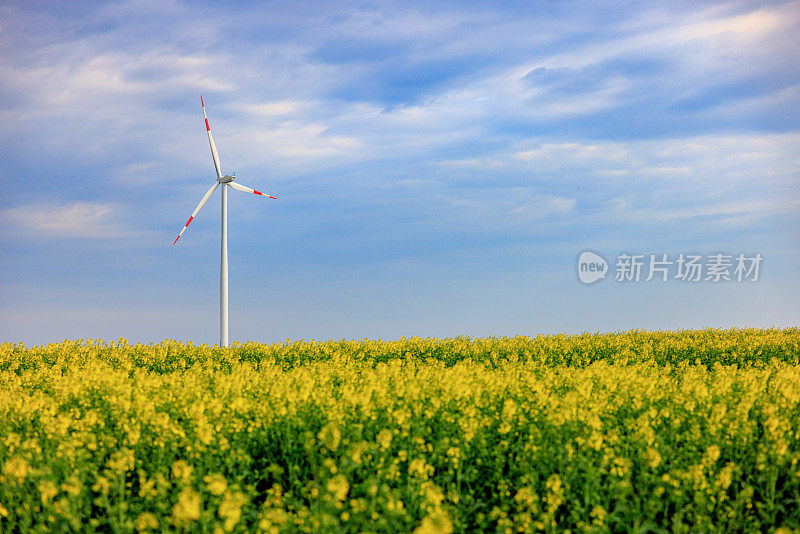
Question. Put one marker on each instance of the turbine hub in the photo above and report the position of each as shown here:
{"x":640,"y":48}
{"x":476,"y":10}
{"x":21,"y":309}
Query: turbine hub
{"x":225,"y":179}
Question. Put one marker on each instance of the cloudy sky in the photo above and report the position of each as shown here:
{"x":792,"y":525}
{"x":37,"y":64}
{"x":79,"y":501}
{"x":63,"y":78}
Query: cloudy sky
{"x":439,"y":166}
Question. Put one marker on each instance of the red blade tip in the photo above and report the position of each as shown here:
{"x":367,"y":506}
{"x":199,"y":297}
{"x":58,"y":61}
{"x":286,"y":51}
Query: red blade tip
{"x":176,"y":240}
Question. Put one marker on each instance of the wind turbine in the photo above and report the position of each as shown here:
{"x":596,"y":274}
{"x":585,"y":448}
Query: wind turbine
{"x":225,"y":181}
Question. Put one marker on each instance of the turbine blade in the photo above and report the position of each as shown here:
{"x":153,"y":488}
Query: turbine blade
{"x":211,"y":140}
{"x":248,"y":190}
{"x":205,"y":197}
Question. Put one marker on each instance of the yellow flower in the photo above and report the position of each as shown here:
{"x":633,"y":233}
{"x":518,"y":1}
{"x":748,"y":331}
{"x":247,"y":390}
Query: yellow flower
{"x":101,"y":485}
{"x":187,"y":509}
{"x":272,"y":520}
{"x":16,"y":468}
{"x":230,"y":509}
{"x":147,"y":487}
{"x":146,"y":521}
{"x":653,"y":457}
{"x":418,"y":468}
{"x":216,"y":483}
{"x":555,"y":492}
{"x":72,"y":485}
{"x":385,"y":437}
{"x":433,"y":494}
{"x":3,"y":511}
{"x":48,"y":489}
{"x":595,"y":441}
{"x":181,"y":470}
{"x":725,"y":476}
{"x":436,"y":523}
{"x":121,"y":460}
{"x":599,"y":514}
{"x":509,"y":409}
{"x":330,"y":436}
{"x":712,"y":454}
{"x":338,"y":486}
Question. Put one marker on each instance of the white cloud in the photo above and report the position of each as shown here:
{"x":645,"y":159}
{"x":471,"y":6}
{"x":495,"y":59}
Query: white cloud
{"x":730,"y":36}
{"x":78,"y":220}
{"x":270,"y":109}
{"x":544,"y":206}
{"x":724,"y":210}
{"x":70,"y":83}
{"x":712,"y":158}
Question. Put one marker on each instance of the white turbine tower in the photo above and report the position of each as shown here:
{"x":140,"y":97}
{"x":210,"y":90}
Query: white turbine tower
{"x":225,"y":181}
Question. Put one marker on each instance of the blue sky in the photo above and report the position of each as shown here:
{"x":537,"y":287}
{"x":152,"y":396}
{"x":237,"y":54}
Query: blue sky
{"x":439,"y":166}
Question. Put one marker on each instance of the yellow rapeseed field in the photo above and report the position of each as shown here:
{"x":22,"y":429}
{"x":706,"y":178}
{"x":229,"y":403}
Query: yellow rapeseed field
{"x":695,"y":431}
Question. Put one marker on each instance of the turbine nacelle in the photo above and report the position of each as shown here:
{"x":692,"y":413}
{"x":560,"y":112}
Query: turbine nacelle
{"x":226,"y":179}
